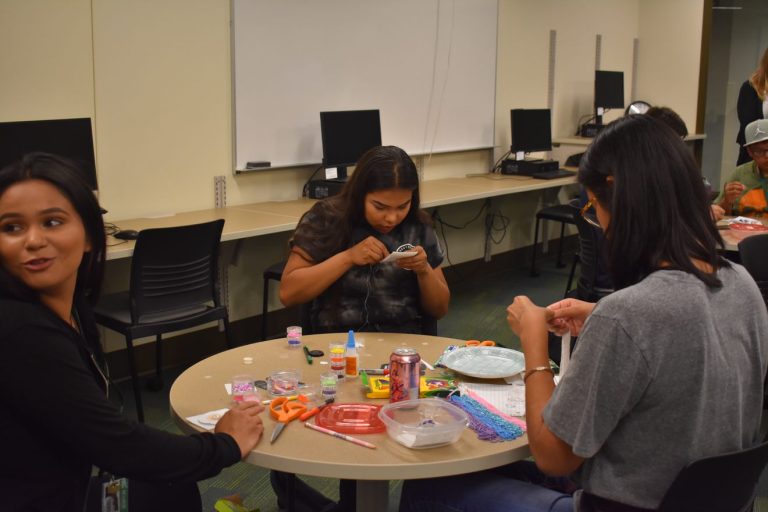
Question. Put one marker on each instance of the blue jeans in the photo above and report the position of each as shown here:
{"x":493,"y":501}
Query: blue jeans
{"x":518,"y":487}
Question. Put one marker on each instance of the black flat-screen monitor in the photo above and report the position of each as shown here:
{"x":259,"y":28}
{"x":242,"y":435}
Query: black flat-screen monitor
{"x":609,"y":89}
{"x":531,"y":129}
{"x":71,"y":138}
{"x":347,"y":134}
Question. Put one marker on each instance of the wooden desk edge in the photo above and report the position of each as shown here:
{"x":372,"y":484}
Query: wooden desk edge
{"x":384,"y":472}
{"x":126,"y":251}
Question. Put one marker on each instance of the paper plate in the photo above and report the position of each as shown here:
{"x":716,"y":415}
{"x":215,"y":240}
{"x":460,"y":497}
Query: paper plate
{"x":485,"y":362}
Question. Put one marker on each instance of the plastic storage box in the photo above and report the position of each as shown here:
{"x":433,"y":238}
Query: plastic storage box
{"x":424,"y":423}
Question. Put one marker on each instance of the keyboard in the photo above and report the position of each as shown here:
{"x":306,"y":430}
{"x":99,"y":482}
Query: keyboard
{"x":551,"y":175}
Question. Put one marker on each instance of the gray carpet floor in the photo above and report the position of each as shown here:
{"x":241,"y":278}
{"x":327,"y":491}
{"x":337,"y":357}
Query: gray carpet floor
{"x":478,"y":304}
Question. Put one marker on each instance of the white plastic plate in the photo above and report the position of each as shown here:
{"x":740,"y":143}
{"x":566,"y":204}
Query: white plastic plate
{"x":485,"y":362}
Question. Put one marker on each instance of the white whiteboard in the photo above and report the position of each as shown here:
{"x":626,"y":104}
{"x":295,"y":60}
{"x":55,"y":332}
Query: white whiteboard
{"x":293,"y":59}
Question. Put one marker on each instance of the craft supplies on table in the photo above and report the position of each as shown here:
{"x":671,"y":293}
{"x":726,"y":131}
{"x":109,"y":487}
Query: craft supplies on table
{"x":378,"y":386}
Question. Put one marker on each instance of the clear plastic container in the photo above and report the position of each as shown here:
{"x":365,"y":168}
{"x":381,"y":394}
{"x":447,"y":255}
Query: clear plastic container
{"x":424,"y":423}
{"x":293,"y":334}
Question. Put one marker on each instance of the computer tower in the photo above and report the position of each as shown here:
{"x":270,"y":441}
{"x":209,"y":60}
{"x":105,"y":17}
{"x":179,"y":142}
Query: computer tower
{"x":320,"y":189}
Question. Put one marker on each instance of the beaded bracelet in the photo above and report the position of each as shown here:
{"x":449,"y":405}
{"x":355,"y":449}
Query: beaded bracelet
{"x":530,"y":372}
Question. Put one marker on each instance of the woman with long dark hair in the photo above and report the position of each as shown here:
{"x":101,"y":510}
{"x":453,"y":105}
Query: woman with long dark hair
{"x":337,"y":265}
{"x":668,"y":369}
{"x":338,"y":248}
{"x":752,"y":104}
{"x":56,"y":420}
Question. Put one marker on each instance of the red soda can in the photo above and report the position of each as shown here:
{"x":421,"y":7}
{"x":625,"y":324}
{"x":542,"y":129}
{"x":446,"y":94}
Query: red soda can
{"x":404,"y":374}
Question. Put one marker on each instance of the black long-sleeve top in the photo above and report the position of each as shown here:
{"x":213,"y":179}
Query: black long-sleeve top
{"x":749,"y":107}
{"x":55,"y":419}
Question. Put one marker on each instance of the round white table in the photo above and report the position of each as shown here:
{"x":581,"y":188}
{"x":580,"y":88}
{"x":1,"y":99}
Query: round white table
{"x":303,"y":451}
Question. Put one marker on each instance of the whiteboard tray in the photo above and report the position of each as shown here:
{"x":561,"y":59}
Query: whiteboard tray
{"x":485,"y":362}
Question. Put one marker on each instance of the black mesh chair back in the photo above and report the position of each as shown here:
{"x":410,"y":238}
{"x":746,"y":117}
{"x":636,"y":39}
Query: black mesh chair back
{"x":753,"y":251}
{"x":174,"y":286}
{"x":174,"y":271}
{"x":587,"y":287}
{"x":428,"y":323}
{"x":723,"y":483}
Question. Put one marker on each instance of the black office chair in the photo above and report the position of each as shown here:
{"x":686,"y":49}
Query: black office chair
{"x":753,"y":252}
{"x":275,"y":273}
{"x":588,"y":286}
{"x":562,"y":213}
{"x":428,"y":323}
{"x":722,"y":483}
{"x":174,"y":285}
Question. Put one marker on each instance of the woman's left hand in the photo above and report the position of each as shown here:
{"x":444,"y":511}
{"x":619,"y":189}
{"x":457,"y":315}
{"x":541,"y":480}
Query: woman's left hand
{"x":523,"y":314}
{"x":418,"y":263}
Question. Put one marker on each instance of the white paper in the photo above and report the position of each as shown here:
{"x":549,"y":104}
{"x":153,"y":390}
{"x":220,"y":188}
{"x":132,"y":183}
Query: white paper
{"x":331,"y":173}
{"x":207,"y":420}
{"x":394,"y":256}
{"x":565,"y":353}
{"x":507,"y":398}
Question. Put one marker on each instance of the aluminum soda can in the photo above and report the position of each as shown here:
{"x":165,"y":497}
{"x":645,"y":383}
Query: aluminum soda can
{"x":404,"y":374}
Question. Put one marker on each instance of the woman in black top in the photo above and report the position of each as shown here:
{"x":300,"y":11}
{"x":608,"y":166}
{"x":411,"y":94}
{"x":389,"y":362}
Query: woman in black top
{"x":752,"y":103}
{"x":55,"y":418}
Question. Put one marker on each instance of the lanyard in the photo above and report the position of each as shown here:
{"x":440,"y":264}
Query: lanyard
{"x":76,"y":318}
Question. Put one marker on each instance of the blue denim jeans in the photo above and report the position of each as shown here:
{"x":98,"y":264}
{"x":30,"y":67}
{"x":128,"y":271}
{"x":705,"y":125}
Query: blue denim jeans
{"x":518,"y":487}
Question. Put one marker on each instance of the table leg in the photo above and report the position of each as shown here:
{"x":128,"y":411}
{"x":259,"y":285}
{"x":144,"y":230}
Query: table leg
{"x":373,"y":495}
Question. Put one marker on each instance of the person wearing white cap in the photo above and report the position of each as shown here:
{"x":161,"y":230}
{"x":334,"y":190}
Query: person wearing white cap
{"x":752,"y":103}
{"x":746,"y":190}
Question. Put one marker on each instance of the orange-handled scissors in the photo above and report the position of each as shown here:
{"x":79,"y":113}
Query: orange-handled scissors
{"x":478,"y":343}
{"x":284,"y":411}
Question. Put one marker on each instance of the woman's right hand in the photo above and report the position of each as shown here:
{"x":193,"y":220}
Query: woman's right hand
{"x":732,"y":191}
{"x":244,"y":424}
{"x":368,"y":252}
{"x":569,"y":315}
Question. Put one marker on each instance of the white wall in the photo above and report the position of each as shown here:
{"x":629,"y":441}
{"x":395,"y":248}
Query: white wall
{"x":670,"y":48}
{"x":46,"y":62}
{"x":163,"y":117}
{"x":749,"y":39}
{"x":523,"y":56}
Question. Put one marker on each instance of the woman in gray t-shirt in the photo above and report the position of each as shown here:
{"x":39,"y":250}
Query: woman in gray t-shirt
{"x":667,"y":370}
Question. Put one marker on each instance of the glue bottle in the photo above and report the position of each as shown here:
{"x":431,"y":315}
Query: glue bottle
{"x":350,"y":356}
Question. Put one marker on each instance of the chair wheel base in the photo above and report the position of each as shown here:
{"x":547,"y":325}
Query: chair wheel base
{"x":155,"y":383}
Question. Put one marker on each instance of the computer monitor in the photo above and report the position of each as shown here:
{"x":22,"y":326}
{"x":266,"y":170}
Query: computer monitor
{"x":609,"y":91}
{"x":347,"y":134}
{"x":70,"y":138}
{"x":531,"y":129}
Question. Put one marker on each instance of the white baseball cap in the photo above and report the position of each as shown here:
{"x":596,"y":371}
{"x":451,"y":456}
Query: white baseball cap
{"x":756,"y":131}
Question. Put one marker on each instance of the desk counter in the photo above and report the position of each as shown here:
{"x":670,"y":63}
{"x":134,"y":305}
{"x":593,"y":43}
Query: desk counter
{"x":239,"y":222}
{"x":249,"y":220}
{"x":575,"y":140}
